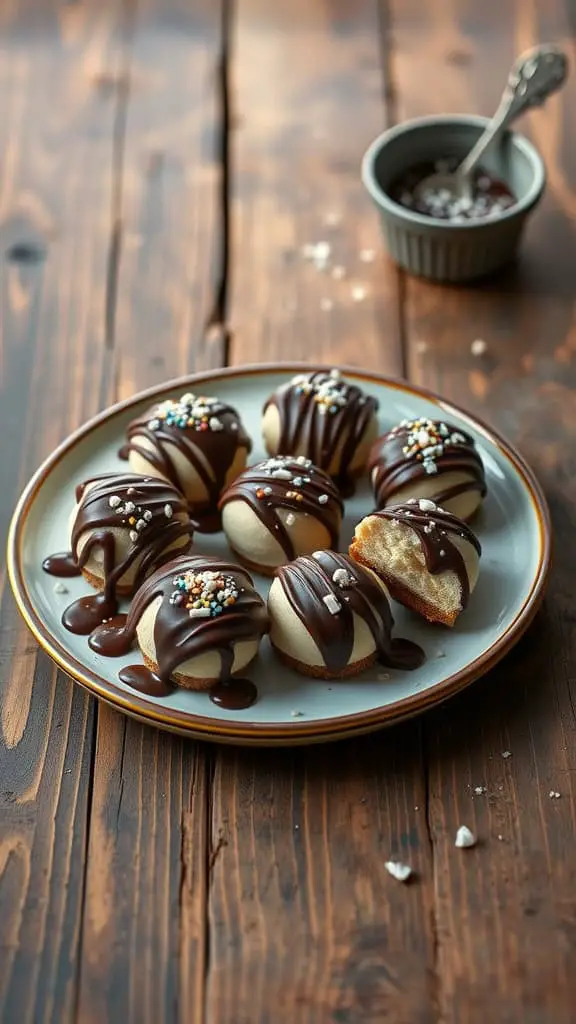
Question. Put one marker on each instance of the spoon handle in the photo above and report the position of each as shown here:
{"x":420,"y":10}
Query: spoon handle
{"x":535,"y":76}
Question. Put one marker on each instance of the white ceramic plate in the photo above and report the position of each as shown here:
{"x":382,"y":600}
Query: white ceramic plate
{"x":513,"y":527}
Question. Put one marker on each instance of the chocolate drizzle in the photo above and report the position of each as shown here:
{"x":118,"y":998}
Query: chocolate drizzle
{"x":62,"y":564}
{"x":311,"y":589}
{"x":321,"y":416}
{"x":291,"y":484}
{"x":112,"y":502}
{"x":395,"y":462}
{"x":208,"y":443}
{"x":434,"y":528}
{"x":177,"y":635}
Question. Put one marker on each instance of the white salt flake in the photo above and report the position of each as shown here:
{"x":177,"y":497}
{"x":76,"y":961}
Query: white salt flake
{"x":383,"y":677}
{"x":114,"y":501}
{"x":465,"y":838}
{"x":141,"y":525}
{"x":296,"y":714}
{"x":358,"y":293}
{"x":425,"y":505}
{"x":215,"y":424}
{"x":147,"y":515}
{"x":332,"y":604}
{"x":59,"y":588}
{"x":281,"y":474}
{"x":506,"y":753}
{"x":199,"y":613}
{"x":478,"y":347}
{"x":168,"y":511}
{"x":367,"y":255}
{"x":342,"y":578}
{"x":440,"y":654}
{"x":133,"y":536}
{"x":400,"y":871}
{"x":326,"y":305}
{"x":322,"y":499}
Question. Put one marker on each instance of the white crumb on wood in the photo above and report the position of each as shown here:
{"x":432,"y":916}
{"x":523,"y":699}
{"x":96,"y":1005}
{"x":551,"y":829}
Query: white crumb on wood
{"x":554,"y":794}
{"x":465,"y":838}
{"x":400,"y":871}
{"x":478,"y":347}
{"x":479,"y":790}
{"x":506,"y":753}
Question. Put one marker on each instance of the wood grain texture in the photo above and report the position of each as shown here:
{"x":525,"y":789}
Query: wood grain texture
{"x":305,"y":923}
{"x":144,"y":936}
{"x":56,"y":141}
{"x":307,"y":97}
{"x":505,"y":916}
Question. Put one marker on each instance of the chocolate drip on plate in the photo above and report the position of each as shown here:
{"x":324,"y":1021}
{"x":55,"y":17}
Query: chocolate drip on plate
{"x":142,"y":679}
{"x":150,"y":509}
{"x":322,"y":414}
{"x":266,"y":493}
{"x":61,"y":564}
{"x":208,"y":443}
{"x":312,"y":591}
{"x":420,"y":450}
{"x":435,"y":528}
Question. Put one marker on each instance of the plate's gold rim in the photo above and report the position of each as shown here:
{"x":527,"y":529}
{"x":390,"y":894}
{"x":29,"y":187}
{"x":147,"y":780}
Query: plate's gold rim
{"x":201,"y":727}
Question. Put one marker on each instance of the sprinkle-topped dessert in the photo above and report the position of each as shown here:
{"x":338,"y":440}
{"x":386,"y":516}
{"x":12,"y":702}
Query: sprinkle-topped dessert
{"x":122,"y":528}
{"x":279,"y":509}
{"x":331,"y":618}
{"x":326,"y":419}
{"x":198,"y":622}
{"x":197,"y":442}
{"x":427,"y":557}
{"x":428,"y":459}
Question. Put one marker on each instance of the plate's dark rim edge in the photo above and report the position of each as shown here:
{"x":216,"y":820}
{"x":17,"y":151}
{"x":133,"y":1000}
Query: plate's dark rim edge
{"x":205,"y":727}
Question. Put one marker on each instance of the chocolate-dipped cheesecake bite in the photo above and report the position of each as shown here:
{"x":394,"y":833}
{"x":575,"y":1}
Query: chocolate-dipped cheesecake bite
{"x":198,"y":622}
{"x":331,"y":618}
{"x":326,"y":419}
{"x":427,"y":557}
{"x":425,"y":458}
{"x":122,"y":528}
{"x":279,"y":509}
{"x":197,"y":443}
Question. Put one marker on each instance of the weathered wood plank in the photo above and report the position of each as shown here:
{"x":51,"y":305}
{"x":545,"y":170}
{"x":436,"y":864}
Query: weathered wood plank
{"x":56,"y":139}
{"x":505,"y":915}
{"x":305,"y":923}
{"x":145,"y":923}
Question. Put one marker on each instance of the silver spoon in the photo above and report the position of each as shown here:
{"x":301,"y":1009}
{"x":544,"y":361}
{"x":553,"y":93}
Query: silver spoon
{"x":535,"y":75}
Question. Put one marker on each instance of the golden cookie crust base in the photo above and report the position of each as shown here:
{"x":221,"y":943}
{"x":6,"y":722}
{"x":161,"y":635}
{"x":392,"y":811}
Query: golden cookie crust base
{"x":98,"y":583}
{"x":401,"y":593}
{"x":186,"y":682}
{"x":262,"y":570}
{"x":319,"y":672}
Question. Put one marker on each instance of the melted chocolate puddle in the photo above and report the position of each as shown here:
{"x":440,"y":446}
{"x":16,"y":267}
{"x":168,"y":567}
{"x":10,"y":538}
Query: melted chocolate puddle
{"x":87,"y":613}
{"x":142,"y":679}
{"x":62,"y":563}
{"x":404,"y":654}
{"x":234,"y":694}
{"x":109,"y":639}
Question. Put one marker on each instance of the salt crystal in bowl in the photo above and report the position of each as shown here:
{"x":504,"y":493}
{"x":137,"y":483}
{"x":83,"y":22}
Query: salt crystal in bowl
{"x":443,"y":240}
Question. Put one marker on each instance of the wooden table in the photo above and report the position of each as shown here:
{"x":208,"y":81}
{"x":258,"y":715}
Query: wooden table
{"x":162,"y":165}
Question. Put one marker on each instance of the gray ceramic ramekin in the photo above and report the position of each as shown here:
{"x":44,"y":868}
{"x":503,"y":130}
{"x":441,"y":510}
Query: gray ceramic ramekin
{"x":437,"y":249}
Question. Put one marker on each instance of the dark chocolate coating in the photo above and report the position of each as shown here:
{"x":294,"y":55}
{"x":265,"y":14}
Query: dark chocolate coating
{"x":309,"y":579}
{"x":391,"y":468}
{"x":301,"y":498}
{"x":435,"y":529}
{"x":177,"y":636}
{"x":96,"y":516}
{"x":215,"y":449}
{"x":317,"y":434}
